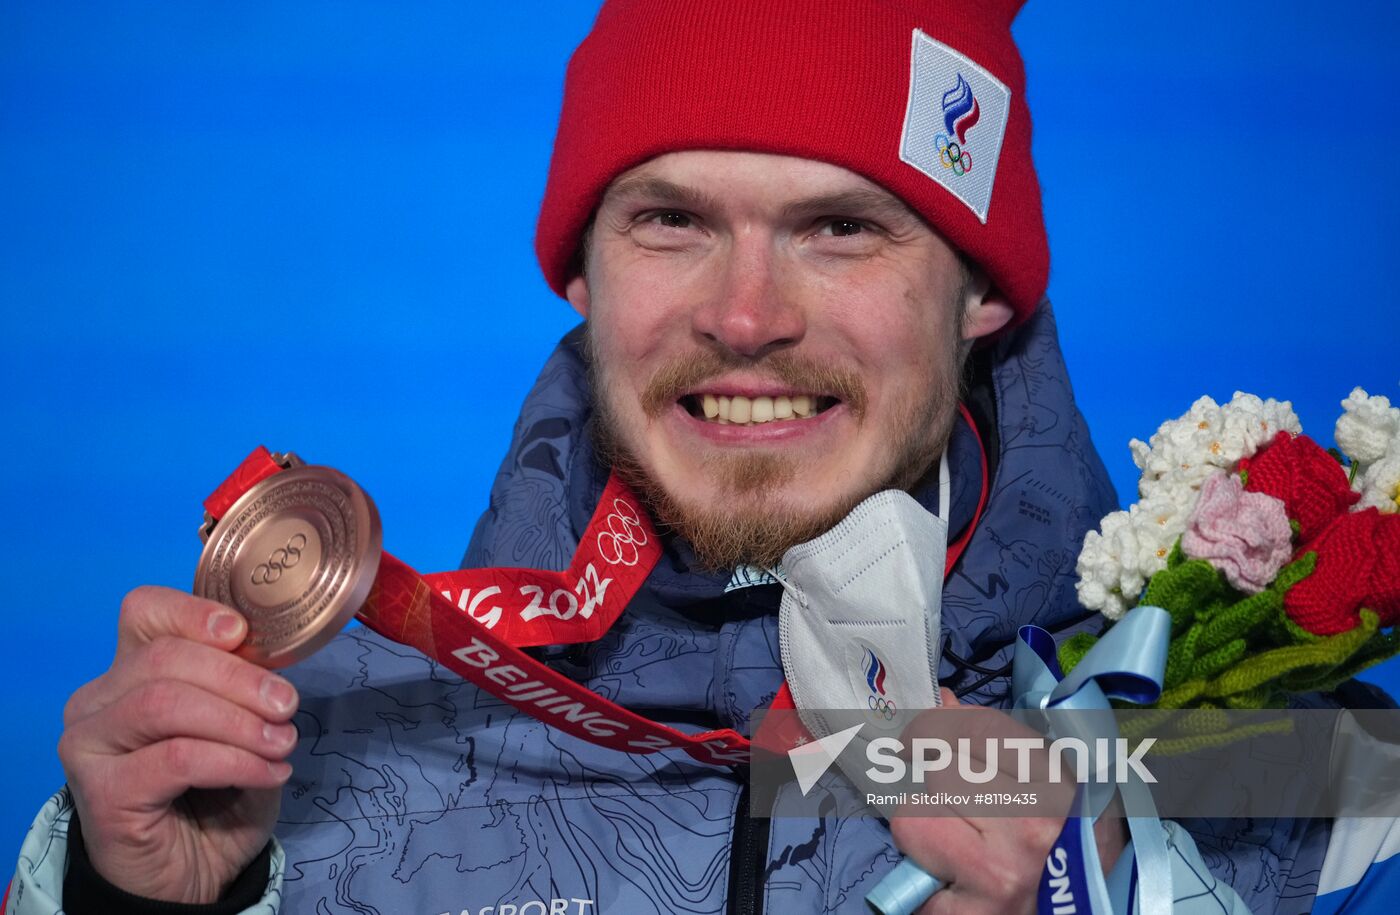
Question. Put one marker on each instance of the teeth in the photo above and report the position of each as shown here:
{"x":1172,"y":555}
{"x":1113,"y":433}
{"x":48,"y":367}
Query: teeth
{"x":744,"y":411}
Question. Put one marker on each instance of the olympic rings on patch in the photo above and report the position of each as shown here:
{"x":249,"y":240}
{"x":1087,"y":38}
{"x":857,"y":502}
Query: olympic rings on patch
{"x":882,"y":706}
{"x":952,"y":155}
{"x":620,"y":543}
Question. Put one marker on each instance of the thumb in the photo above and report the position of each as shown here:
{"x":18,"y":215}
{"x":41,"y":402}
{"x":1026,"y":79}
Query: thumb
{"x":149,"y":613}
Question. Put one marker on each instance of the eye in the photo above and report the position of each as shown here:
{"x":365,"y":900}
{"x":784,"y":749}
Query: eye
{"x":671,"y":219}
{"x":843,"y":227}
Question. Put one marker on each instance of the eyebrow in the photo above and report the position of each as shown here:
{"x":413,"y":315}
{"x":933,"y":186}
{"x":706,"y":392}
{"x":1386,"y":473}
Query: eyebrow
{"x":660,"y":190}
{"x":871,"y":203}
{"x":868,"y":202}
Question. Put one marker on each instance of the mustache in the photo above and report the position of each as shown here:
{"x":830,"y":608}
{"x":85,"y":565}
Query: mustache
{"x":800,"y":372}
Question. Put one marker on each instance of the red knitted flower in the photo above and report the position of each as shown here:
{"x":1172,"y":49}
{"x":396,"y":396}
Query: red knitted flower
{"x":1358,"y":565}
{"x":1309,"y":481}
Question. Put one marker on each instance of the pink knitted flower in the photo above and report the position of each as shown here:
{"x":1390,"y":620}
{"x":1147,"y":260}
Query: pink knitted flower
{"x":1245,"y":535}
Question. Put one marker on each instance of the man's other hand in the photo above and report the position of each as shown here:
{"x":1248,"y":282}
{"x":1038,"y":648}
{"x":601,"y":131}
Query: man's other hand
{"x":992,"y":864}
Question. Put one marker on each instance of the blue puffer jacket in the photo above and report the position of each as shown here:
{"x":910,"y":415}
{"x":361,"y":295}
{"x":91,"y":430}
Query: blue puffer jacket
{"x":417,"y":793}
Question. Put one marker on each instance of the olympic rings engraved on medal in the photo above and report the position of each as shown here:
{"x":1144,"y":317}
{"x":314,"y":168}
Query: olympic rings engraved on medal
{"x":881,"y":706}
{"x":952,"y":155}
{"x":281,"y":559}
{"x":624,"y":536}
{"x":271,"y":625}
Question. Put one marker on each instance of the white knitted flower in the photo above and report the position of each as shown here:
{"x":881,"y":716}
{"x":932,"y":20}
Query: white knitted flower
{"x":1130,"y":547}
{"x":1184,"y":451}
{"x":1367,"y":427}
{"x":1380,"y":484}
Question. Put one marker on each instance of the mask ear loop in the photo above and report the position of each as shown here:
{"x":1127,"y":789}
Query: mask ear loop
{"x":788,"y":586}
{"x":945,"y":486}
{"x":945,"y":493}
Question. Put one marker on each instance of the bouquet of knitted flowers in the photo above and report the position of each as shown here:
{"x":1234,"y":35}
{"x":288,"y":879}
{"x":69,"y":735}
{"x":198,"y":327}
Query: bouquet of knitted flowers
{"x":1278,"y":561}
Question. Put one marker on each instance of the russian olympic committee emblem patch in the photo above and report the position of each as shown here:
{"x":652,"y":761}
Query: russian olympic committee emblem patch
{"x":955,"y":122}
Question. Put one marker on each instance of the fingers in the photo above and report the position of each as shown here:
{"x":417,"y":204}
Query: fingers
{"x":161,"y":772}
{"x":163,"y":709}
{"x":922,"y":838}
{"x":149,"y":612}
{"x":204,"y":666}
{"x":989,"y":853}
{"x":177,"y":711}
{"x":966,"y":751}
{"x":174,"y":682}
{"x":981,"y":873}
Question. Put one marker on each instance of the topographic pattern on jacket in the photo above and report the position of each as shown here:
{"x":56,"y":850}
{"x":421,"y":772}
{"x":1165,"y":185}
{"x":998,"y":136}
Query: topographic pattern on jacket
{"x":417,"y":793}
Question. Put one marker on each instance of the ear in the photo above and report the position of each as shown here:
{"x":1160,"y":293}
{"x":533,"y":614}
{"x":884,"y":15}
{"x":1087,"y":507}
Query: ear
{"x":577,"y":294}
{"x":987,"y":310}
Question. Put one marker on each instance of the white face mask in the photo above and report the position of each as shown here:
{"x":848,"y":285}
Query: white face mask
{"x":859,"y":620}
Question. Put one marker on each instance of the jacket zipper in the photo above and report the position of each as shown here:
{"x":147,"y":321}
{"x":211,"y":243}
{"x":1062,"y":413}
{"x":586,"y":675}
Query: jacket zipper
{"x":747,"y":858}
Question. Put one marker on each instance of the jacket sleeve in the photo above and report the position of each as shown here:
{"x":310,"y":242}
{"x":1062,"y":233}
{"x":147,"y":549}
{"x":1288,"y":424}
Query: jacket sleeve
{"x":1195,"y":890}
{"x":1272,"y":863}
{"x":1361,"y":874}
{"x":37,"y":887}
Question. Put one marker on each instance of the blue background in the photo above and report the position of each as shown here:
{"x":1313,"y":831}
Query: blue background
{"x":309,"y":225}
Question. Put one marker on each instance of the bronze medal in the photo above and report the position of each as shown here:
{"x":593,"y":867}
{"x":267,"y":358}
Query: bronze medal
{"x":296,"y":555}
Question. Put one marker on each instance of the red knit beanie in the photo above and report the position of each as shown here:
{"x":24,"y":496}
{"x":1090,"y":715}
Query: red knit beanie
{"x":924,"y":97}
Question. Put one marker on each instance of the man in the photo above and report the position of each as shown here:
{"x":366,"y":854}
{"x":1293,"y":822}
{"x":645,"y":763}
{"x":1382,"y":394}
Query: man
{"x":791,"y":267}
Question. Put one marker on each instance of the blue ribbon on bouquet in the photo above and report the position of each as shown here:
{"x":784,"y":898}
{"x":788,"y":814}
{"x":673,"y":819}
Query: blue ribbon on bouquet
{"x":1127,"y":663}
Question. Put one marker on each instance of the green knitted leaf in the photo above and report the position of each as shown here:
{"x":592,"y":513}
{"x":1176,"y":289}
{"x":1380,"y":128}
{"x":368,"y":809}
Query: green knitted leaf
{"x":1073,"y":649}
{"x":1177,"y":555}
{"x":1199,"y":722}
{"x":1181,"y":657}
{"x":1254,"y":672}
{"x":1281,"y":630}
{"x":1146,"y":720}
{"x":1182,"y":695}
{"x":1214,"y":663}
{"x":1386,"y":646}
{"x":1264,"y":697}
{"x":1239,"y":619}
{"x":1191,"y":743}
{"x":1380,"y":646}
{"x":1184,"y":588}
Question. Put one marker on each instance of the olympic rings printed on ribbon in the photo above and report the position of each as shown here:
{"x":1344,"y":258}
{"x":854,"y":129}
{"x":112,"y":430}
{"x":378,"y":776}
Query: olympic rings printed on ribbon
{"x":881,"y":706}
{"x":281,"y":559}
{"x":624,"y":536}
{"x":952,"y":155}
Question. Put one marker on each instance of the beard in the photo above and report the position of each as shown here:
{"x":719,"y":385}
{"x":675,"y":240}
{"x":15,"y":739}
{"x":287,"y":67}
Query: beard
{"x":741,"y":527}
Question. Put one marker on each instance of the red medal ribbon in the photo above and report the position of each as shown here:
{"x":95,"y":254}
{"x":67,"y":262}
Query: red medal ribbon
{"x":475,"y":621}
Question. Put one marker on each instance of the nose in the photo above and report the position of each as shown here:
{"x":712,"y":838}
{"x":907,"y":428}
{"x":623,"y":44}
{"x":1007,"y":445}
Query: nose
{"x":752,"y":308}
